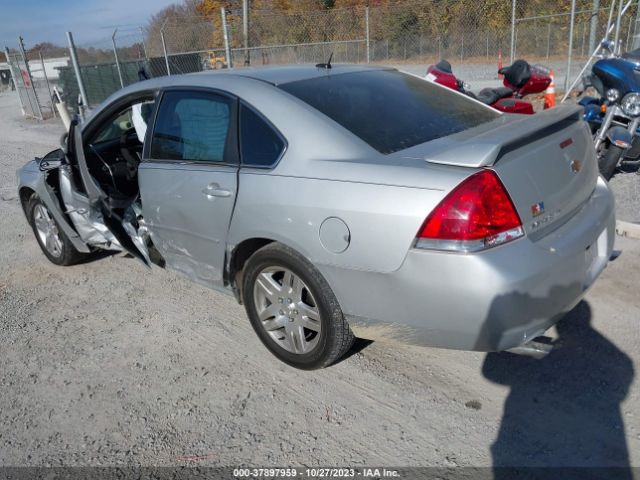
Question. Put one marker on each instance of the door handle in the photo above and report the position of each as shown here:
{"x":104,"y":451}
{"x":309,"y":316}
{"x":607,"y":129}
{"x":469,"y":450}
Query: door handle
{"x":214,"y":190}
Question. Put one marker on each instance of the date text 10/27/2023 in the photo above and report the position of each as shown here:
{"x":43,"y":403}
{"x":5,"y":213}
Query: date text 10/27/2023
{"x":315,"y":473}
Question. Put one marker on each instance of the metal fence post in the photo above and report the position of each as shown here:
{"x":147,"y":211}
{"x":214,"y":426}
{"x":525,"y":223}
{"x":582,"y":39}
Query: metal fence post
{"x":597,"y":49}
{"x":245,"y":32}
{"x":548,"y":39}
{"x":225,"y":32}
{"x":616,"y":47}
{"x":487,"y":45}
{"x":366,"y":26}
{"x":46,"y":79}
{"x":31,"y":111}
{"x":14,"y":79}
{"x":26,"y":66}
{"x":144,"y":47}
{"x":115,"y":54}
{"x":570,"y":50}
{"x":594,"y":24}
{"x":513,"y":30}
{"x":636,"y":36}
{"x":76,"y":69}
{"x":164,"y":47}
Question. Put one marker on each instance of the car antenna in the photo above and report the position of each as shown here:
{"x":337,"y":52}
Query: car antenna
{"x":326,"y":65}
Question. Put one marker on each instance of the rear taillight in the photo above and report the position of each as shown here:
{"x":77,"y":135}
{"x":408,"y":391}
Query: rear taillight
{"x":476,"y":215}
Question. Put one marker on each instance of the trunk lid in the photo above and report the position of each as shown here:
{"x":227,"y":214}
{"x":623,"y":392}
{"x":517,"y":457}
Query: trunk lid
{"x":546,"y":161}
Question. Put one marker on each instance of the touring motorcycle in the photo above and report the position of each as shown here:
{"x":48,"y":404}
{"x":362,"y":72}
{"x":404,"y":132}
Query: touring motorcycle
{"x":614,"y":116}
{"x":520,"y":79}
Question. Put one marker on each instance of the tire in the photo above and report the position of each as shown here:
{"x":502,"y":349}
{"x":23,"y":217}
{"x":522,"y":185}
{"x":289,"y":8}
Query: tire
{"x":283,"y":329}
{"x":608,"y":162}
{"x":64,"y":252}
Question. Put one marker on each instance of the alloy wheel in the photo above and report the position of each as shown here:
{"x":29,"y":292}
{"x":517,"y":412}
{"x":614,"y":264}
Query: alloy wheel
{"x":287,"y":309}
{"x":47,"y":230}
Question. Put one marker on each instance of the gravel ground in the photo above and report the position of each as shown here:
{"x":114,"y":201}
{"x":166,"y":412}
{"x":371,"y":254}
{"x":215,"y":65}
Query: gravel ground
{"x":105,"y":363}
{"x":627,"y":188}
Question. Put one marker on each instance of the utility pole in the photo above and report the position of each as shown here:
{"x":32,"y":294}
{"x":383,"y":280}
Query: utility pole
{"x":245,"y":32}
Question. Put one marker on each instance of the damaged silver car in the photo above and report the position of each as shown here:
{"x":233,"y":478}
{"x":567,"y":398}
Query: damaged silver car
{"x":334,"y":200}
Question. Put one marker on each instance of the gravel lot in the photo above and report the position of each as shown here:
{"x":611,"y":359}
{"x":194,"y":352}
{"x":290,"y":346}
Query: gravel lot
{"x":106,"y":363}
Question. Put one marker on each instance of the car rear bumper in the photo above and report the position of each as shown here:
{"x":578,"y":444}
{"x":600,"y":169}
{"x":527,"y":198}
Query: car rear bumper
{"x":494,"y":300}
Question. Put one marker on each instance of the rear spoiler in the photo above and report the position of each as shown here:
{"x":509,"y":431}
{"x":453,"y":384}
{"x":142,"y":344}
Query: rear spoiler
{"x":511,"y":133}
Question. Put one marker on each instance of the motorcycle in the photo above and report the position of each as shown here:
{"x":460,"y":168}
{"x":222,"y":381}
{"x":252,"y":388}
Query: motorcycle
{"x":520,"y":79}
{"x":614,"y":116}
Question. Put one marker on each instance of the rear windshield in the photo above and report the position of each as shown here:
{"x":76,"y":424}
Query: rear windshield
{"x":390,"y":110}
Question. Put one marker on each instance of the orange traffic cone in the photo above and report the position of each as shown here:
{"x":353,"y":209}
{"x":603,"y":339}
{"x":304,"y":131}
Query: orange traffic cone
{"x":550,"y":94}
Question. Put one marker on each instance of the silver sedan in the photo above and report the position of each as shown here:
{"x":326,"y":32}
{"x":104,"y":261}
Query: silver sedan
{"x":334,"y":201}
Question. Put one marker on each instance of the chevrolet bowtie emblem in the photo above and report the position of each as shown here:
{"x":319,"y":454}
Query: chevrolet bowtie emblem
{"x":576,"y":166}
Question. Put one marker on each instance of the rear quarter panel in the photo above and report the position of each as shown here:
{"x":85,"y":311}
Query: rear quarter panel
{"x":382,"y":219}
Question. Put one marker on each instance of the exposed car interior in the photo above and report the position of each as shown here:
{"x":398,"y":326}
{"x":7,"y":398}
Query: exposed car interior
{"x":114,"y":152}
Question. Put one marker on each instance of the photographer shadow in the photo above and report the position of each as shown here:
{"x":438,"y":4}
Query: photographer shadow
{"x":563,"y":410}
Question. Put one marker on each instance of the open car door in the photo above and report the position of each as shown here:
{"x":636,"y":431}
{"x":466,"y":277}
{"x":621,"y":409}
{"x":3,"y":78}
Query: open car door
{"x":116,"y":219}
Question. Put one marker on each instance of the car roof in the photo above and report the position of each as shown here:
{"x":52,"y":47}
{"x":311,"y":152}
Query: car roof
{"x":281,"y":74}
{"x":268,"y":75}
{"x":271,"y":75}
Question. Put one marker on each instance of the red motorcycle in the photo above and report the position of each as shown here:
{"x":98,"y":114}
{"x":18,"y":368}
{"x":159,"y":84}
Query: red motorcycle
{"x":520,"y":79}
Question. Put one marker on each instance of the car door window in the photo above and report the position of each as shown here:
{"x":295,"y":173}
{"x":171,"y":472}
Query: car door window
{"x":192,"y":126}
{"x":114,"y":129}
{"x":260,"y":144}
{"x":134,"y":117}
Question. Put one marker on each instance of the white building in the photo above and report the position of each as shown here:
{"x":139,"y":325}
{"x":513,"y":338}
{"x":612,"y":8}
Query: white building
{"x":50,"y":65}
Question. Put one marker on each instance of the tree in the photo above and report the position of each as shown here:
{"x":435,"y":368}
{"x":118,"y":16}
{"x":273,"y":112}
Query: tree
{"x":174,"y":15}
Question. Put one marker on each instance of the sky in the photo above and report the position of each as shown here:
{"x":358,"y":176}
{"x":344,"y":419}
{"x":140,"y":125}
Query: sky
{"x":90,"y":21}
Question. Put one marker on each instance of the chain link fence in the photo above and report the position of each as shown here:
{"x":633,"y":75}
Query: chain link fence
{"x":545,"y":38}
{"x":31,"y":79}
{"x":300,"y":37}
{"x":473,"y":35}
{"x":184,"y":45}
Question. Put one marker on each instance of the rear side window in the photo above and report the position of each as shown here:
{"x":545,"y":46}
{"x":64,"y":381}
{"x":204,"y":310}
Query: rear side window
{"x":191,"y":126}
{"x":390,"y":110}
{"x":260,"y":144}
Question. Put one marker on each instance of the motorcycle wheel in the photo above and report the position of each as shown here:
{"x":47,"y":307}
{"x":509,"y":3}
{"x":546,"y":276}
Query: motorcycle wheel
{"x":608,"y":162}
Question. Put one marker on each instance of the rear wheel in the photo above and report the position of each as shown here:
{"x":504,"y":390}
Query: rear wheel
{"x":52,"y":240}
{"x":293,"y":310}
{"x":608,"y":161}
